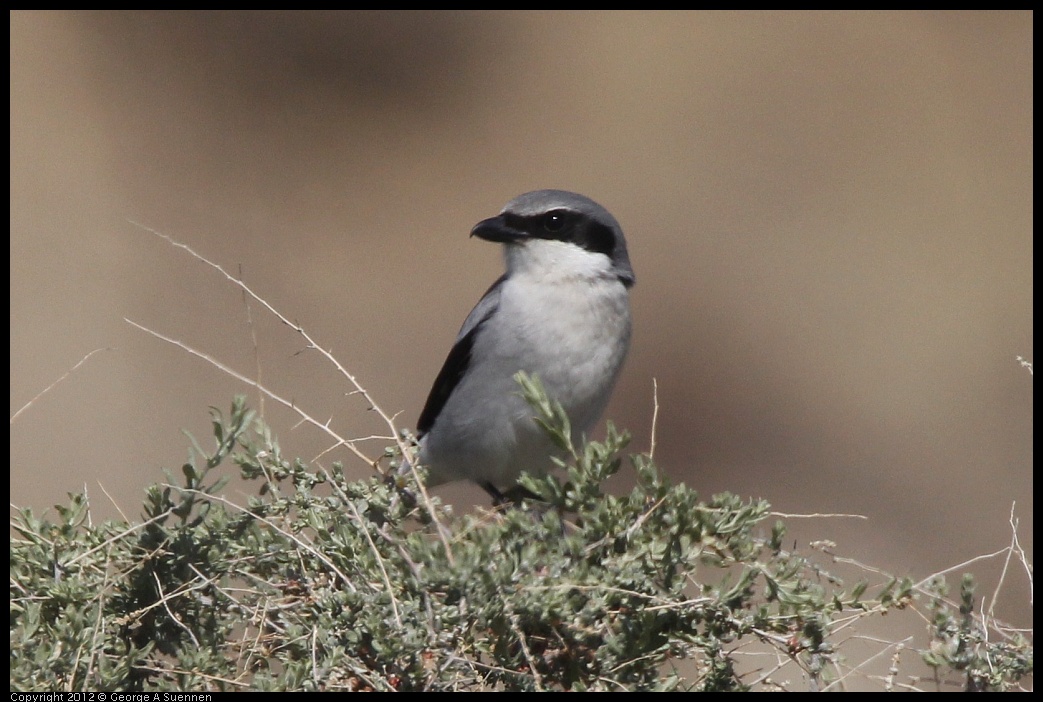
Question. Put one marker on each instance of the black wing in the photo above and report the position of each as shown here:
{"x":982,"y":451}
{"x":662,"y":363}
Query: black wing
{"x":459,"y":358}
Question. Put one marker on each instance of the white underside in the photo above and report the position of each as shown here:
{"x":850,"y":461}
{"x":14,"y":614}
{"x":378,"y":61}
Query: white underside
{"x":572,"y":331}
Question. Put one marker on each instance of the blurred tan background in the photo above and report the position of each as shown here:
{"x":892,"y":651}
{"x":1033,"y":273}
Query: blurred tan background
{"x":829,"y":214}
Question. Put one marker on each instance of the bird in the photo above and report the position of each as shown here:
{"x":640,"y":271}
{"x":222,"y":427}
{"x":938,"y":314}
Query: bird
{"x":560,"y":312}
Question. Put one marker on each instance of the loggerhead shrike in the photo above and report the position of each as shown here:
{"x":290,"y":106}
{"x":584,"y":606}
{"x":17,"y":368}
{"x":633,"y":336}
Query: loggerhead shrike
{"x":561,"y":312}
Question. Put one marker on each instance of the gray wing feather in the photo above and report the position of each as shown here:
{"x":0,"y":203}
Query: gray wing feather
{"x":459,"y":358}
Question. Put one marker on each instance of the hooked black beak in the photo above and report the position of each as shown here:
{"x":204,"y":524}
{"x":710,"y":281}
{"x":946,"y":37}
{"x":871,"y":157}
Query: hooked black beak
{"x":496,"y":229}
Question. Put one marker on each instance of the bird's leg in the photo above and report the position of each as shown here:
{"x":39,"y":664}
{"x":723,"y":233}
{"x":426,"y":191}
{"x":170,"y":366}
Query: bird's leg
{"x":514,"y":496}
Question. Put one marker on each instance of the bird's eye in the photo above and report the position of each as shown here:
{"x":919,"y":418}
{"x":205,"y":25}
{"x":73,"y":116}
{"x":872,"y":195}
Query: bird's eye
{"x":554,"y":221}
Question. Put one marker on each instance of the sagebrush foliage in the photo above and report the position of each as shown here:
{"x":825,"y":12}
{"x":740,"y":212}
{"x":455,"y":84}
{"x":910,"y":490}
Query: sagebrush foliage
{"x":319,"y":583}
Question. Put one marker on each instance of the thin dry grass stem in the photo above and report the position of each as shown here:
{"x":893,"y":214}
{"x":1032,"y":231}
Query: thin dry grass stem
{"x":623,"y":664}
{"x":920,"y":587}
{"x":256,"y":347}
{"x":215,"y":583}
{"x":614,"y":683}
{"x":323,"y":426}
{"x":888,"y":645}
{"x":816,"y":515}
{"x":380,"y":563}
{"x":632,"y":529}
{"x":96,"y":634}
{"x":516,"y":628}
{"x":50,"y":387}
{"x":403,"y":553}
{"x":989,"y":622}
{"x":315,"y":677}
{"x":178,"y":671}
{"x":113,"y":502}
{"x":960,"y":566}
{"x":163,"y":597}
{"x":250,"y":643}
{"x":293,"y":537}
{"x":349,"y":443}
{"x":655,"y":419}
{"x":185,"y":589}
{"x":664,"y":603}
{"x":892,"y":648}
{"x":766,"y":678}
{"x":1014,"y":549}
{"x":102,"y":545}
{"x":893,"y":670}
{"x":429,"y":505}
{"x":21,"y":530}
{"x":292,"y":325}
